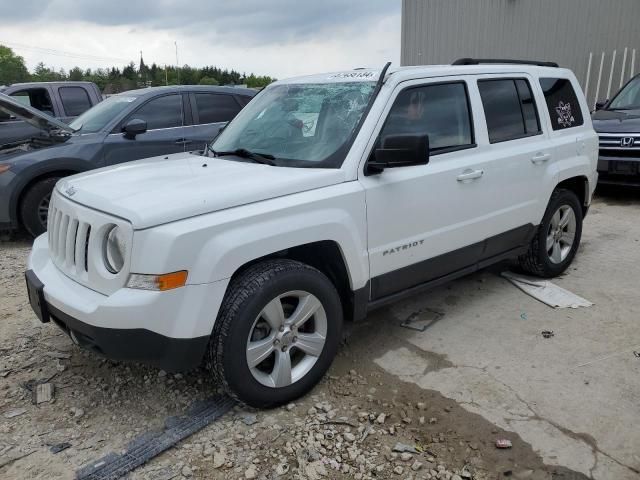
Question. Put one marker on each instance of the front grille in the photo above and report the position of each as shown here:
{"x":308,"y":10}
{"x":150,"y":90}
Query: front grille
{"x":76,"y":241}
{"x":68,"y":240}
{"x":620,"y":142}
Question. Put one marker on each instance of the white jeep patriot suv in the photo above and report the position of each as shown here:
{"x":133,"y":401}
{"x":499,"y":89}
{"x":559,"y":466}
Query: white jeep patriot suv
{"x":326,"y":197}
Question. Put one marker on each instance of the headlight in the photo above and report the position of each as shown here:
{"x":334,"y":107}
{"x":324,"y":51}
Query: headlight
{"x":115,"y":249}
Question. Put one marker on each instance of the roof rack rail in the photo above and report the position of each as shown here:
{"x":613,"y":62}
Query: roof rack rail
{"x":478,"y":61}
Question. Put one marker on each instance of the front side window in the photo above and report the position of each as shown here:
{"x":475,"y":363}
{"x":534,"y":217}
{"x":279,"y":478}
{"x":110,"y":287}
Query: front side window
{"x":301,"y":125}
{"x":98,"y":117}
{"x":75,"y":100}
{"x":161,"y":112}
{"x":509,"y":109}
{"x":214,"y":108}
{"x":562,"y":103}
{"x":440,"y":111}
{"x":628,"y":98}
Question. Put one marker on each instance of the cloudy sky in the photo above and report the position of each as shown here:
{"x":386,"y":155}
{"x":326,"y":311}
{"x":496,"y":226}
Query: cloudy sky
{"x":280,"y":38}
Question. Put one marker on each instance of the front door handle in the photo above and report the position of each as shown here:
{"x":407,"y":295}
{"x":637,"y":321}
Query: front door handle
{"x":469,"y":175}
{"x":541,"y":158}
{"x":183,"y":141}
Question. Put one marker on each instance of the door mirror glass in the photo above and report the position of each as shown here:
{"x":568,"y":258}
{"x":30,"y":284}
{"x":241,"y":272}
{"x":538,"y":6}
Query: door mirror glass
{"x":134,"y":127}
{"x":400,"y":151}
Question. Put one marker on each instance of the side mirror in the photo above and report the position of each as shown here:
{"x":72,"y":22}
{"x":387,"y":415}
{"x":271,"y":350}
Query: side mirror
{"x":601,"y":105}
{"x":399,"y":151}
{"x":134,"y":127}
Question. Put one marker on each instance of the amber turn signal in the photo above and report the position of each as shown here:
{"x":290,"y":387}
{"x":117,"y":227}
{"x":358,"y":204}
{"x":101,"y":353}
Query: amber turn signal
{"x":169,"y":281}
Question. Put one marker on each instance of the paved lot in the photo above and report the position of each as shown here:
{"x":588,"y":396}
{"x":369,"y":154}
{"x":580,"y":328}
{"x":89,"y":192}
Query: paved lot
{"x":481,"y":372}
{"x":573,"y":397}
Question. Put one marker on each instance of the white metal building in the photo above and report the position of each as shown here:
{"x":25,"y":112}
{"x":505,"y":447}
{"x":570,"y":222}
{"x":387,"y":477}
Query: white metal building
{"x":599,"y":40}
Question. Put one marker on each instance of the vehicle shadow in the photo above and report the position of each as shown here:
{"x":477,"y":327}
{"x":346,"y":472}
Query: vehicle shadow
{"x":618,"y":195}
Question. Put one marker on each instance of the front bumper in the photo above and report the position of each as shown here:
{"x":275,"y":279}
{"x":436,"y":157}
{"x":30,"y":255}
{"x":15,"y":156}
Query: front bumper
{"x":169,"y":329}
{"x":619,"y":171}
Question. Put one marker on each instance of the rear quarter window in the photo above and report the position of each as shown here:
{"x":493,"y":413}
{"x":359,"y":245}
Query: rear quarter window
{"x":562,"y":103}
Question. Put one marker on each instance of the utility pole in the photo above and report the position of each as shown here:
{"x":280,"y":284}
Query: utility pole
{"x":177,"y":62}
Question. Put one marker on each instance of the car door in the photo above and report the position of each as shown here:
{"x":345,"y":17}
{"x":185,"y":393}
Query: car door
{"x":166,"y":125}
{"x":424,"y":221}
{"x":211,"y":112}
{"x":518,"y":157}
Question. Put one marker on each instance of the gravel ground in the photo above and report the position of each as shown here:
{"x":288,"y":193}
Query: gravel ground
{"x":347,"y":427}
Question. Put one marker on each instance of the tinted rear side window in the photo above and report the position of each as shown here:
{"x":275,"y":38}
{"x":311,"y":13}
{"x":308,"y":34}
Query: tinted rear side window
{"x":562,"y":102}
{"x":509,"y":108}
{"x":75,"y":100}
{"x":214,"y":108}
{"x":161,"y":112}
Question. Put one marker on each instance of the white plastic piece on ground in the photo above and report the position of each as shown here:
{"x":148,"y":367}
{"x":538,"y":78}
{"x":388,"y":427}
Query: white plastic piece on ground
{"x":546,"y":292}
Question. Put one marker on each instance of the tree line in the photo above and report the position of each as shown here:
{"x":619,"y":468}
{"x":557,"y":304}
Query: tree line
{"x":115,"y":80}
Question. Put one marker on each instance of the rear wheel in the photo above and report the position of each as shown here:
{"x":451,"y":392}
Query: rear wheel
{"x":34,"y":208}
{"x":277,"y":332}
{"x":555,"y":244}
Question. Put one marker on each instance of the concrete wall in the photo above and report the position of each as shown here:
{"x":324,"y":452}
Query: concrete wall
{"x":565,"y":31}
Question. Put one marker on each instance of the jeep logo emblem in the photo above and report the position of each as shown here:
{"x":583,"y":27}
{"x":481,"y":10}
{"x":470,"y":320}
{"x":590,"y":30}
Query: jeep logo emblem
{"x":627,"y":142}
{"x":70,"y":191}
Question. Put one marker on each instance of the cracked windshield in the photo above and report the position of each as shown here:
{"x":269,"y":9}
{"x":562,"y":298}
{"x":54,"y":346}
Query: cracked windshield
{"x":301,"y":125}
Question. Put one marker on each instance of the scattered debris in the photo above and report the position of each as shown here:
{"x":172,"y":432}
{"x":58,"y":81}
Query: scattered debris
{"x":503,"y":443}
{"x":57,"y":448}
{"x":42,"y":393}
{"x":403,"y":447}
{"x":249,"y":418}
{"x":546,"y":292}
{"x":422,"y":319}
{"x":147,"y":446}
{"x":15,"y":412}
{"x":548,"y":333}
{"x":636,"y":354}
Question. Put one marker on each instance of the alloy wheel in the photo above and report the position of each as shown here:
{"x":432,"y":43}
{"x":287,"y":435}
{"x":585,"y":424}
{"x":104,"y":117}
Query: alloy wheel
{"x":286,"y":339}
{"x":561,"y":234}
{"x":43,"y":210}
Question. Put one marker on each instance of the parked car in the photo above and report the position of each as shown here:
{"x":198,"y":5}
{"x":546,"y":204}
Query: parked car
{"x":617,"y":122}
{"x":326,"y":197}
{"x":124,"y":127}
{"x":62,"y":100}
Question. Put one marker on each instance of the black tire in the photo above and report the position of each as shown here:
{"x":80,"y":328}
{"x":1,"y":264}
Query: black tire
{"x":33,"y":200}
{"x":247,"y":295}
{"x":537,"y":260}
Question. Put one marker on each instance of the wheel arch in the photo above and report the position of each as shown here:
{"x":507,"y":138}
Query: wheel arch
{"x":580,"y":186}
{"x":327,"y":257}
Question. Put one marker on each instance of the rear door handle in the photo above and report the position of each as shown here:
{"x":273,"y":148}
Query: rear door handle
{"x":541,"y":158}
{"x":468,"y":175}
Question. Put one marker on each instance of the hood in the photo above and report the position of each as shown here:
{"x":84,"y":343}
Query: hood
{"x":617,"y":121}
{"x":31,"y":115}
{"x":164,"y":189}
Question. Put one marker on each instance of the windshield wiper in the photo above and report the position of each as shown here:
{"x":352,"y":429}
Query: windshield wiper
{"x":263,"y":158}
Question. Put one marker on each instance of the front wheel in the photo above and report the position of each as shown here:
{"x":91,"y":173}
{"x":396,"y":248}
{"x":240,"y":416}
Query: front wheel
{"x":34,"y":207}
{"x":277,"y":332}
{"x":558,"y":237}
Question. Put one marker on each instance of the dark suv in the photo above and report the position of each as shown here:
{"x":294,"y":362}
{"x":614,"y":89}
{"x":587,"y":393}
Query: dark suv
{"x":129,"y":126}
{"x":618,"y":124}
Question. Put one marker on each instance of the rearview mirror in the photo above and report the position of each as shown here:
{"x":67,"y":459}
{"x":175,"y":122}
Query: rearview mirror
{"x":134,"y":127}
{"x":399,"y":151}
